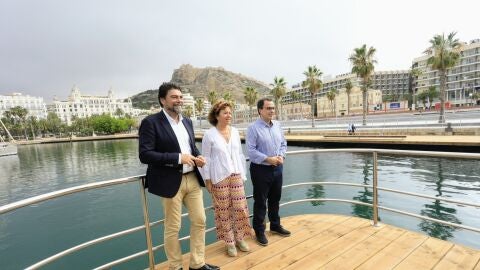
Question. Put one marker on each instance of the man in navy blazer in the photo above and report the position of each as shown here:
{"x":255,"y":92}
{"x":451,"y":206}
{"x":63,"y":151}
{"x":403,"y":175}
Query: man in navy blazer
{"x":167,"y":145}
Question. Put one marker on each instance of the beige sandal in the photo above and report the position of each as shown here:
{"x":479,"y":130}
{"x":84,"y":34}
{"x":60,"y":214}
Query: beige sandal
{"x":231,"y":250}
{"x":243,"y":246}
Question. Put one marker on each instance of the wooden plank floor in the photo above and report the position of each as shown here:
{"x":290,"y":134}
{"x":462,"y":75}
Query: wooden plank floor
{"x":343,"y":242}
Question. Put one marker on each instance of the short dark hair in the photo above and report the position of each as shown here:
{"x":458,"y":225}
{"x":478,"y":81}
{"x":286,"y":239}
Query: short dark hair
{"x":164,"y":88}
{"x":261,"y":102}
{"x":215,"y":111}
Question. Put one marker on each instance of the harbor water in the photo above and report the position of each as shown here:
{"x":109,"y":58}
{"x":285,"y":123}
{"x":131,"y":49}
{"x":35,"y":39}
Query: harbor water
{"x":33,"y":233}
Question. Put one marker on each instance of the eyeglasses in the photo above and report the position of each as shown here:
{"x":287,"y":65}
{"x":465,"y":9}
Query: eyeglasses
{"x":269,"y":108}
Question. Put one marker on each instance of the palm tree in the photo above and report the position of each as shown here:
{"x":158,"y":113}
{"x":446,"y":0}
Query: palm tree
{"x":348,"y":90}
{"x":227,"y":96}
{"x":250,"y":96}
{"x":422,"y":96}
{"x":119,"y":112}
{"x":414,"y":73}
{"x":188,"y":111}
{"x":212,"y":97}
{"x":363,"y":62}
{"x":314,"y":84}
{"x":432,"y":93}
{"x":278,"y":91}
{"x":295,"y":96}
{"x":20,"y":116}
{"x":475,"y":97}
{"x":33,"y":123}
{"x":331,"y":95}
{"x":199,"y":106}
{"x":445,"y":55}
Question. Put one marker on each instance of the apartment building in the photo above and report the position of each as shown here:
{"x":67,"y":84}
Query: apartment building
{"x":463,"y":80}
{"x":81,"y":106}
{"x":35,"y":105}
{"x":339,"y":106}
{"x":393,"y":85}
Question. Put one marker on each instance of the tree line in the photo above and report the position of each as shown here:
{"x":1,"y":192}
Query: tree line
{"x":22,"y":126}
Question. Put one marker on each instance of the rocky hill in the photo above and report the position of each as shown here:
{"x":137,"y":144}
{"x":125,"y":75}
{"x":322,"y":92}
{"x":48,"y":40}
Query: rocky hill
{"x":199,"y":81}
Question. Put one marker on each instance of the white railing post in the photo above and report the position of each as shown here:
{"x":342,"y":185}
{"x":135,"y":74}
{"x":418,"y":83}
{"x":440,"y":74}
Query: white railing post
{"x":375,"y":190}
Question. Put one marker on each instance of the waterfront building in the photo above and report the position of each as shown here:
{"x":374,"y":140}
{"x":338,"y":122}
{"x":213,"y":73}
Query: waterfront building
{"x":296,"y":111}
{"x":189,"y":101}
{"x":393,"y":85}
{"x":338,"y":107}
{"x":463,"y":80}
{"x":35,"y":105}
{"x":81,"y":106}
{"x":241,"y":113}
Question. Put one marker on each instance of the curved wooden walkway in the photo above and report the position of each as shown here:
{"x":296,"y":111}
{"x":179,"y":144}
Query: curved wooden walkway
{"x":343,"y":242}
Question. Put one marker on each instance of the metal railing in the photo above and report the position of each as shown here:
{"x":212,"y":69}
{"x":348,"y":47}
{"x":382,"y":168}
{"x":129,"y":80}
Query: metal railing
{"x":147,"y":224}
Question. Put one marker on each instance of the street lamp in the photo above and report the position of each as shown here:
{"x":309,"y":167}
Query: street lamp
{"x":471,"y":98}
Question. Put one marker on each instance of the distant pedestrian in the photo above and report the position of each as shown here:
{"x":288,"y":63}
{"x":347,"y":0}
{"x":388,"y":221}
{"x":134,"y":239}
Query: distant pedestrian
{"x":351,"y":129}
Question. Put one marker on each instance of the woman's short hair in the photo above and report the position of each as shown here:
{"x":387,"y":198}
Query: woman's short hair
{"x":215,"y":111}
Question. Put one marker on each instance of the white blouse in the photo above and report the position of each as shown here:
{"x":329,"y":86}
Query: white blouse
{"x":222,"y":158}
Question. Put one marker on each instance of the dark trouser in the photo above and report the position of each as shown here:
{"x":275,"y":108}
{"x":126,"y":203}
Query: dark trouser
{"x":267,"y":185}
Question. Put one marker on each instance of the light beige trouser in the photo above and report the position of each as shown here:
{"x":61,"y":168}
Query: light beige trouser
{"x":189,"y":194}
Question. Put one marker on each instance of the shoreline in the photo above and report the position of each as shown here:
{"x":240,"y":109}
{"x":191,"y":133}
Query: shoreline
{"x":420,"y":142}
{"x":79,"y":139}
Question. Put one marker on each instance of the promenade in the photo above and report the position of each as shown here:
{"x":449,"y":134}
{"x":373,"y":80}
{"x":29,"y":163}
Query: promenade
{"x":438,"y":140}
{"x":469,"y":142}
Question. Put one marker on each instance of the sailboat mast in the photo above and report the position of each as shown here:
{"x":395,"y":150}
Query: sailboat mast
{"x":8,"y":133}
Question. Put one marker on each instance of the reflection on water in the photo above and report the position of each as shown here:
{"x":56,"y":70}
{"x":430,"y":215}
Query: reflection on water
{"x":316,"y":192}
{"x":448,"y":178}
{"x":49,"y":167}
{"x":365,"y":194}
{"x":438,"y":210}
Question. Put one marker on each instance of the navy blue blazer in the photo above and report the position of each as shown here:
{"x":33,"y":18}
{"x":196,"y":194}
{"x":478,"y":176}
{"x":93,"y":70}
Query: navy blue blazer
{"x":158,"y":148}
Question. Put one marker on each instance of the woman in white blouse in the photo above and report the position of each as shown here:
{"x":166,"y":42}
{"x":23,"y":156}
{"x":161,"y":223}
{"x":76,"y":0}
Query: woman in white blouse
{"x":224,"y":175}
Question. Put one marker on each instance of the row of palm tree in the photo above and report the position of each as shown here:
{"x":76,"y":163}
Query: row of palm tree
{"x":199,"y":105}
{"x":445,"y":55}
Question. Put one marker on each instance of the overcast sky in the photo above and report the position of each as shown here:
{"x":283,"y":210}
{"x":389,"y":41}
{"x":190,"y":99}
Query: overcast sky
{"x":48,"y":46}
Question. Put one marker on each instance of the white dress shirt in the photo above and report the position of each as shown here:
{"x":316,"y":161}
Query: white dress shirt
{"x":183,"y":140}
{"x":222,"y":158}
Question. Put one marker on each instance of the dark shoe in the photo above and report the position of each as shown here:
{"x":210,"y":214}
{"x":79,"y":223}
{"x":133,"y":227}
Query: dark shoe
{"x":206,"y":267}
{"x":281,"y":231}
{"x":261,"y":238}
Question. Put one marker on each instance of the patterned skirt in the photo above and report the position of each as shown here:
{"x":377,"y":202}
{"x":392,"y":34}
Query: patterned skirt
{"x":231,"y":210}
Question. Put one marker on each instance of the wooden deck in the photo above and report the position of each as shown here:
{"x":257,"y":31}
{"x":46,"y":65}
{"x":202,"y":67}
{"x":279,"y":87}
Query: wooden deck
{"x":343,"y":242}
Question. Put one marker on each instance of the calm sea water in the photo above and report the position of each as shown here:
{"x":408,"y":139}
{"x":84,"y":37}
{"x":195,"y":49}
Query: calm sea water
{"x":36,"y":232}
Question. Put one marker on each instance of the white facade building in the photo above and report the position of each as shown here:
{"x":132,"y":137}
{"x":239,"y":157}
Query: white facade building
{"x":394,"y":83}
{"x":85,"y":106}
{"x":35,"y":105}
{"x":189,"y":101}
{"x":463,"y":80}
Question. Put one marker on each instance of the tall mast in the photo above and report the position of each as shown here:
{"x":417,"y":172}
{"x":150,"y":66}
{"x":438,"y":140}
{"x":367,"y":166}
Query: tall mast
{"x":9,"y":135}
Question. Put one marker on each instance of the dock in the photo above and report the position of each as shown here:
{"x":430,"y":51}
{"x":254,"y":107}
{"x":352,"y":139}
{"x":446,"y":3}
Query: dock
{"x":326,"y":241}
